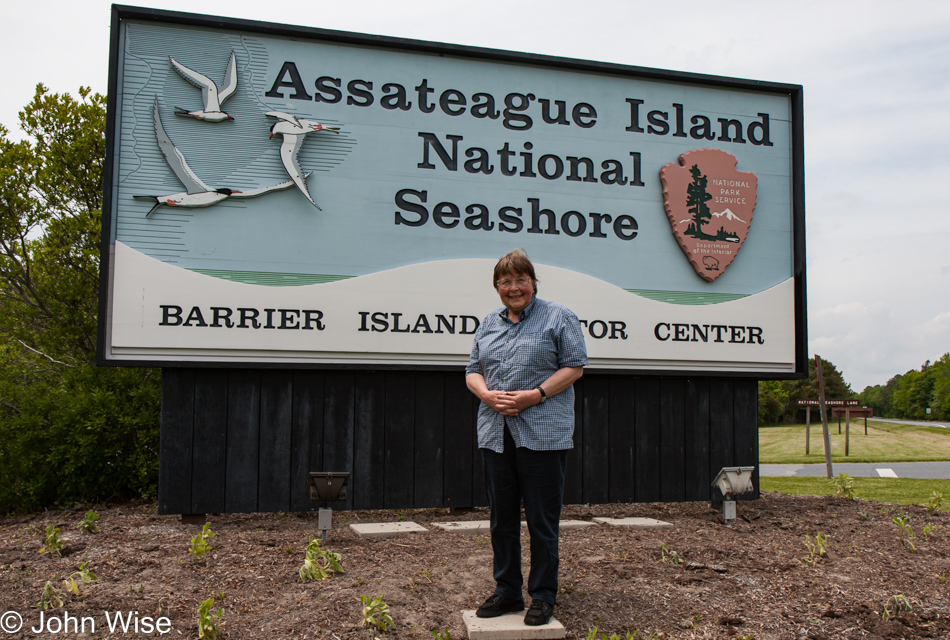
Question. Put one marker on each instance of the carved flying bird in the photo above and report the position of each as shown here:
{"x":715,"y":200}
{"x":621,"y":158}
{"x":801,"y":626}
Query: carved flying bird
{"x":211,"y":95}
{"x":294,"y":130}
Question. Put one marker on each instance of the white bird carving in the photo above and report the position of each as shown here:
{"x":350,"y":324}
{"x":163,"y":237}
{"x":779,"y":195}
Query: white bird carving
{"x":294,"y":130}
{"x":212,"y":95}
{"x":197,"y":193}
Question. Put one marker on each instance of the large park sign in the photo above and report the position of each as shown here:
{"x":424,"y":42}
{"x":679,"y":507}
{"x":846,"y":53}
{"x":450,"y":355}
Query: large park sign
{"x":281,"y":195}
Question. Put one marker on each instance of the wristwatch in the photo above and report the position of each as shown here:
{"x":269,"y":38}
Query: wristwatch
{"x":544,"y":396}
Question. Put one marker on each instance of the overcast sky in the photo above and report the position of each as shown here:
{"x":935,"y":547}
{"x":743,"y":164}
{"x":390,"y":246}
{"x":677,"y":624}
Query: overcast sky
{"x":876,"y":79}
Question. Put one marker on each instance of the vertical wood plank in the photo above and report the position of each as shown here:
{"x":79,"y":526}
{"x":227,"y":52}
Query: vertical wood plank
{"x":244,"y":394}
{"x":574,"y":477}
{"x":244,"y":440}
{"x":746,"y":430}
{"x":368,"y":479}
{"x":338,"y":427}
{"x":672,"y":440}
{"x":400,"y":446}
{"x":175,"y":440}
{"x":429,"y":438}
{"x":596,"y":439}
{"x":209,"y":455}
{"x":721,"y":438}
{"x":647,"y":439}
{"x":459,"y":443}
{"x":622,"y":433}
{"x":276,"y":412}
{"x":697,"y":475}
{"x":306,"y":436}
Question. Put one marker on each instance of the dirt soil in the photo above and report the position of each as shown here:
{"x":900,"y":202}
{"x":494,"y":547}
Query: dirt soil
{"x":751,"y":580}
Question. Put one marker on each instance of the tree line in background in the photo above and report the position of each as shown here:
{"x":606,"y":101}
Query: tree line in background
{"x":911,"y":394}
{"x":69,"y":431}
{"x":905,"y":396}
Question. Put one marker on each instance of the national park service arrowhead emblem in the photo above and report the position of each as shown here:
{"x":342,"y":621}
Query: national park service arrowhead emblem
{"x":709,"y":204}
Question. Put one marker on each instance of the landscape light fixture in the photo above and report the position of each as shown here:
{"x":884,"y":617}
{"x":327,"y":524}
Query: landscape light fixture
{"x":732,"y":482}
{"x":327,"y":486}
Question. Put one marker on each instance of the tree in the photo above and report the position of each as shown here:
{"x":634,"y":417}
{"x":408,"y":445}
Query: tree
{"x":772,"y":401}
{"x":696,"y":199}
{"x":835,"y":387}
{"x":50,"y":207}
{"x":68,"y":430}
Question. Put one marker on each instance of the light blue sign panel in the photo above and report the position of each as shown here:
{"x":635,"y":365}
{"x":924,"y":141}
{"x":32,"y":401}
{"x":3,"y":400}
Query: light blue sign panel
{"x":419,"y":159}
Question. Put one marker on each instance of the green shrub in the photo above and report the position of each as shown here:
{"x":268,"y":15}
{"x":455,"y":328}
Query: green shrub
{"x":89,"y":436}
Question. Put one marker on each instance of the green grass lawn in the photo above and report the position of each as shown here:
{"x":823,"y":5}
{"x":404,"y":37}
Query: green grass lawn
{"x":893,"y":490}
{"x":885,"y":442}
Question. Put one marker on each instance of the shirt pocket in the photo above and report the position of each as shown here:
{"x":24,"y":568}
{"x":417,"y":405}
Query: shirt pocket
{"x":536,"y":350}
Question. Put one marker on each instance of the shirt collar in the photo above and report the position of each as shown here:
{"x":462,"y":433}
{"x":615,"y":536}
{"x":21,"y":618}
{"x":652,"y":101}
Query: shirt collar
{"x":503,"y":312}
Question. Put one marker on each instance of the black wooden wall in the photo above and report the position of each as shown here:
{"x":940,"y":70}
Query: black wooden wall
{"x":236,"y":440}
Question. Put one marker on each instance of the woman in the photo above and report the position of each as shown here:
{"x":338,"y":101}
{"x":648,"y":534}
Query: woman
{"x":525,"y":359}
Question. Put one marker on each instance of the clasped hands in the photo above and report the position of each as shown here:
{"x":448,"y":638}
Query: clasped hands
{"x":511,"y":403}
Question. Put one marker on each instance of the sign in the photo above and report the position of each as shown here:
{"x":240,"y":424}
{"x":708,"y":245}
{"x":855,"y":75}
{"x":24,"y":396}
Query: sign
{"x":810,"y":402}
{"x":285,"y":195}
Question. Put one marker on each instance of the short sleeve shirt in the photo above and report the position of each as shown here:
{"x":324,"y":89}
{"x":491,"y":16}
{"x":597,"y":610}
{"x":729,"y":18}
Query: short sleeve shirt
{"x":514,"y":356}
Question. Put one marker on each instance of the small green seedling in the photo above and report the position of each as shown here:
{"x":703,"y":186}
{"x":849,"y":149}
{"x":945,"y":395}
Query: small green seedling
{"x":208,"y":620}
{"x":933,"y":505}
{"x":50,"y":598}
{"x":929,"y":529}
{"x":445,"y":634}
{"x":52,"y":543}
{"x":668,"y":556}
{"x":199,"y":544}
{"x":894,"y":605}
{"x":376,"y":614}
{"x":904,"y":531}
{"x":318,"y":563}
{"x":83,"y":574}
{"x":88,"y":523}
{"x":817,"y":548}
{"x":843,"y":486}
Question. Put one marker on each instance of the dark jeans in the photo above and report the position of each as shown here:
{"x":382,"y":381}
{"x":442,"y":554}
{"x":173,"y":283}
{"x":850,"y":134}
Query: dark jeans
{"x":537,"y":477}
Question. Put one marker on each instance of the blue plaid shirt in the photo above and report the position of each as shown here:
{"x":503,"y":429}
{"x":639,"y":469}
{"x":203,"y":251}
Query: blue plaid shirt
{"x":514,"y":356}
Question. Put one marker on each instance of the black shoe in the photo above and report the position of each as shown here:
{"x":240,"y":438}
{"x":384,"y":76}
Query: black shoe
{"x":539,"y":613}
{"x":497,"y":605}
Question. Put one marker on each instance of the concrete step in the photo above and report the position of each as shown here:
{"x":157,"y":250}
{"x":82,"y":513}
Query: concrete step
{"x":510,"y":626}
{"x":387,"y":529}
{"x":635,"y":523}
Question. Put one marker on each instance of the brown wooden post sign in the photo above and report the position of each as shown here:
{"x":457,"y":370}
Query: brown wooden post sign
{"x":854,"y":412}
{"x":824,"y":416}
{"x":838,"y":405}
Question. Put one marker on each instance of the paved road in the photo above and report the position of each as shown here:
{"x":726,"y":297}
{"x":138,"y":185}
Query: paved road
{"x":944,"y":425}
{"x":931,"y":470}
{"x":919,"y":423}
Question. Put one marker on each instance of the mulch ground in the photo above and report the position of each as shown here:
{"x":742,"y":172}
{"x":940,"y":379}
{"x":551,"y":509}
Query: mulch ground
{"x":755,"y":579}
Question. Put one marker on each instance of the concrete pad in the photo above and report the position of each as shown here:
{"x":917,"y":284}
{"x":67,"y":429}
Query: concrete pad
{"x":575,"y":524}
{"x":484,"y":526}
{"x":510,"y":626}
{"x":386,"y":529}
{"x":635,"y":523}
{"x":465,"y":526}
{"x":886,"y":473}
